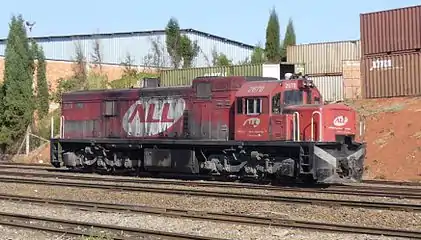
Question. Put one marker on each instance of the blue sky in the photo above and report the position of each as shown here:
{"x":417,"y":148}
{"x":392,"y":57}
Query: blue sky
{"x":245,"y":21}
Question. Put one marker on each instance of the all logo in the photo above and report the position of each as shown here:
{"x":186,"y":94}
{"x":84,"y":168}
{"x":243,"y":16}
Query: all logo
{"x":149,"y":117}
{"x":340,"y":121}
{"x":254,"y":122}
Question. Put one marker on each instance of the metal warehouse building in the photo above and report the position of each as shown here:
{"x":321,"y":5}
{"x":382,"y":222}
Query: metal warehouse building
{"x":116,"y":46}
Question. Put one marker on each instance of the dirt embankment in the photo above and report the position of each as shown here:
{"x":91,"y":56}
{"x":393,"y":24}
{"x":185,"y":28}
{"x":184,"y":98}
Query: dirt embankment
{"x":393,"y":136}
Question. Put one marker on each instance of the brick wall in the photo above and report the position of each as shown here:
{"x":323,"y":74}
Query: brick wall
{"x":64,"y":69}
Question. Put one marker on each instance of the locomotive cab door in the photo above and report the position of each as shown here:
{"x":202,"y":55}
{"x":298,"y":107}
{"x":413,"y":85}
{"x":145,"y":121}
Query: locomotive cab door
{"x":109,"y":109}
{"x":252,"y":119}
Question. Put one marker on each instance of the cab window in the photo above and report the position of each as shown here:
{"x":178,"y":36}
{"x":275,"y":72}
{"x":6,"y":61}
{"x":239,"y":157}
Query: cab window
{"x":253,"y":106}
{"x":276,"y":103}
{"x":293,"y":97}
{"x":240,"y":106}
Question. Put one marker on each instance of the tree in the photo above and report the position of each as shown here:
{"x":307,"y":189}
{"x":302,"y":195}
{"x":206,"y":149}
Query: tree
{"x":220,"y":59}
{"x":258,"y":56}
{"x":273,"y":48}
{"x":180,"y":47}
{"x":156,"y":58}
{"x":79,"y":68}
{"x":172,"y":41}
{"x":17,"y":103}
{"x":289,"y":40}
{"x":188,"y":51}
{"x":96,"y":79}
{"x":43,"y":95}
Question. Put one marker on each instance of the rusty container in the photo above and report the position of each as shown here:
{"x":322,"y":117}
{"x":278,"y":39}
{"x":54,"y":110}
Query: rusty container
{"x":391,"y":31}
{"x":352,"y":79}
{"x":391,"y":75}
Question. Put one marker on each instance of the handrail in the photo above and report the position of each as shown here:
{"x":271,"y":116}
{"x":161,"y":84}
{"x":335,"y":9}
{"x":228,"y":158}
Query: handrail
{"x":296,"y":126}
{"x":362,"y":129}
{"x":62,"y":127}
{"x":320,"y":126}
{"x":52,"y":127}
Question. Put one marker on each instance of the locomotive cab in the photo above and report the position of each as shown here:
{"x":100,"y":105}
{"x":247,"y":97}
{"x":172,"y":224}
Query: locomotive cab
{"x":271,"y":110}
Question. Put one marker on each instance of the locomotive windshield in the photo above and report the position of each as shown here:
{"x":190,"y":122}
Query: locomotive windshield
{"x":293,"y":97}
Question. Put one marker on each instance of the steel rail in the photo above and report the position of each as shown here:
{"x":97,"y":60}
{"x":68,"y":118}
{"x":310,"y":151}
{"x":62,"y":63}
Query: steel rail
{"x":72,"y":228}
{"x":47,"y":167}
{"x":369,"y":191}
{"x":219,"y":194}
{"x":39,"y":166}
{"x":217,"y":217}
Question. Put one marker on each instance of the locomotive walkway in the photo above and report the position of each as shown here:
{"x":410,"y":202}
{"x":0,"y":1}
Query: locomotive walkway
{"x":356,"y":190}
{"x":220,"y":194}
{"x":69,"y":226}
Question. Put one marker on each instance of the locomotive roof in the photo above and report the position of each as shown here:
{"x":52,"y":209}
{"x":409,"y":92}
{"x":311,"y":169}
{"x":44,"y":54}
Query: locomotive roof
{"x":264,"y":88}
{"x":119,"y":93}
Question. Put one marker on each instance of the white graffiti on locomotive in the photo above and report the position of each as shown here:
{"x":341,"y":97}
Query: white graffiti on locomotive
{"x":149,"y":117}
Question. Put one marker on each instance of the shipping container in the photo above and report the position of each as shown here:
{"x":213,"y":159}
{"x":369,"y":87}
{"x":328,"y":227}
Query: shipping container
{"x":180,"y":77}
{"x":331,"y":87}
{"x":391,"y":75}
{"x":324,"y":58}
{"x":391,"y":31}
{"x":352,"y":79}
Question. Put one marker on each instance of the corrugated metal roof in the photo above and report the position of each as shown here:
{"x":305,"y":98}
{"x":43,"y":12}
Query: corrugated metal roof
{"x":115,"y":47}
{"x":135,"y":33}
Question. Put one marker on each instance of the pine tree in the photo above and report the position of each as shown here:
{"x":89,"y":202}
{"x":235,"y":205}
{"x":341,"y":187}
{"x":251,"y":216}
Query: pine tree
{"x":289,"y":39}
{"x":42,"y":85}
{"x":17,"y":103}
{"x":273,"y":48}
{"x":173,"y":40}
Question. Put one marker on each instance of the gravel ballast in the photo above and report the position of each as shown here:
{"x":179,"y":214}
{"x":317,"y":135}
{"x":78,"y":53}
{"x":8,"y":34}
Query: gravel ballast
{"x":346,"y":215}
{"x":227,"y":189}
{"x":194,"y":227}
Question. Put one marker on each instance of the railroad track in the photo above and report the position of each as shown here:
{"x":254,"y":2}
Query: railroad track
{"x":363,"y":190}
{"x":219,"y":194}
{"x":77,"y":228}
{"x":48,"y":167}
{"x":214,"y":216}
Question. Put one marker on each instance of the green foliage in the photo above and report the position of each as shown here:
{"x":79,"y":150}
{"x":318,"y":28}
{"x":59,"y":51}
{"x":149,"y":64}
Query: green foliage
{"x":79,"y":68}
{"x":172,"y":41}
{"x":131,"y":81}
{"x":289,"y":40}
{"x":258,"y":56}
{"x":220,"y":60}
{"x":273,"y":48}
{"x":188,"y":50}
{"x":17,"y":105}
{"x":97,"y":81}
{"x":44,"y":126}
{"x":43,"y":95}
{"x":79,"y":80}
{"x":131,"y":75}
{"x":180,"y":48}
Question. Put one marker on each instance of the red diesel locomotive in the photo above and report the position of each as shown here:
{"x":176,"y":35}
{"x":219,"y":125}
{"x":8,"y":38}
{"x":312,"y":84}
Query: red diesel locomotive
{"x":234,"y":127}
